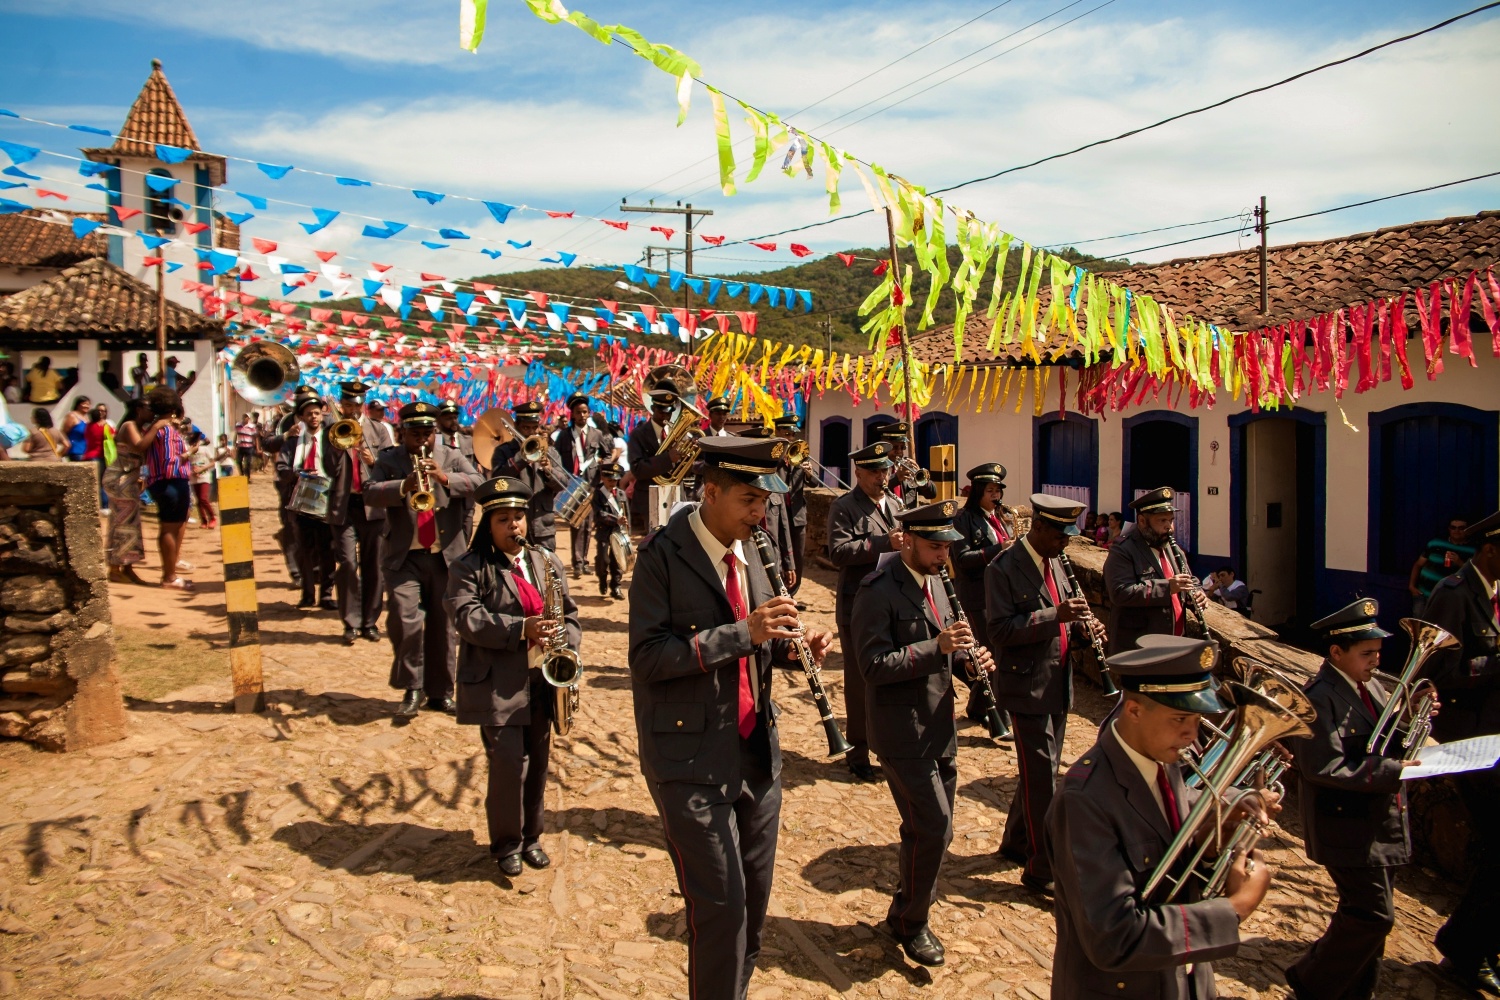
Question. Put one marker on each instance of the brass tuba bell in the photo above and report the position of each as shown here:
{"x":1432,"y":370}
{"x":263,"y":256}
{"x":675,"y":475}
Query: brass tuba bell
{"x":265,"y":373}
{"x":346,"y":434}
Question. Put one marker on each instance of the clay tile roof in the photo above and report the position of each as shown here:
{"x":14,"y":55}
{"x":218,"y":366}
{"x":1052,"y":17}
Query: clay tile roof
{"x":155,"y":117}
{"x":28,"y":240}
{"x":96,"y":300}
{"x":1309,"y":279}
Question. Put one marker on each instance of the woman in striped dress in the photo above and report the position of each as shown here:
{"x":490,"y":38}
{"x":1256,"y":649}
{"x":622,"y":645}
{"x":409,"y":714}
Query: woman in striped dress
{"x":167,"y":475}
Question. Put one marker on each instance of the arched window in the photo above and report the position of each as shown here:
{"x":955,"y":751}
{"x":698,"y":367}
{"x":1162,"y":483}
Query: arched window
{"x":834,"y":448}
{"x":161,"y":214}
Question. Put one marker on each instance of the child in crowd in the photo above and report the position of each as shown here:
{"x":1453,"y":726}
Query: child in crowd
{"x":201,"y":455}
{"x":610,"y":514}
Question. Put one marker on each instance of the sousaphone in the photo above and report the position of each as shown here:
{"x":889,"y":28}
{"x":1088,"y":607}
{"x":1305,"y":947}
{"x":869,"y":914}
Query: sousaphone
{"x":265,"y":373}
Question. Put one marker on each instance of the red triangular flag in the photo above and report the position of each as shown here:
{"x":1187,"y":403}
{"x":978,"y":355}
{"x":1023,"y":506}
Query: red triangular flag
{"x":248,"y":274}
{"x":321,"y":315}
{"x":347,"y":317}
{"x":124,"y":214}
{"x":326,"y":255}
{"x":43,"y":192}
{"x":748,"y":321}
{"x":617,"y":225}
{"x":194,"y":228}
{"x":425,"y":325}
{"x":540,"y":298}
{"x":152,"y":261}
{"x":480,"y":286}
{"x":612,"y":306}
{"x":263,"y":246}
{"x":432,"y":277}
{"x":560,"y":215}
{"x":650,"y":312}
{"x":847,"y":258}
{"x":382,"y":268}
{"x":391,"y":322}
{"x":881,"y":267}
{"x":704,"y":315}
{"x":668,"y":233}
{"x":764,"y":246}
{"x":715,"y":240}
{"x":897,"y":295}
{"x":800,"y":250}
{"x":361,"y":320}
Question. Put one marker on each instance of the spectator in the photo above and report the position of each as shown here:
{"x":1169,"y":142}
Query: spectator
{"x":1112,"y":529}
{"x":124,"y":546}
{"x":96,"y":433}
{"x":9,"y":387}
{"x":108,"y":378}
{"x":75,"y":428}
{"x":223,"y":459}
{"x":201,"y":457}
{"x":43,"y":382}
{"x":139,"y":376}
{"x":41,"y":446}
{"x":167,"y":475}
{"x":1441,"y":558}
{"x":246,"y":444}
{"x":1221,"y":586}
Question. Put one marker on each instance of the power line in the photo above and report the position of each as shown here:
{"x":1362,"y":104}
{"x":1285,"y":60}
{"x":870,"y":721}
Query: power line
{"x":1142,"y":232}
{"x":1185,"y":114}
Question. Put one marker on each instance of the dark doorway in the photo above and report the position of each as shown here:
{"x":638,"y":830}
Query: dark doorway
{"x":1065,"y":461}
{"x":873,"y":425}
{"x":833,"y":449}
{"x":1161,"y":449}
{"x":933,"y":429}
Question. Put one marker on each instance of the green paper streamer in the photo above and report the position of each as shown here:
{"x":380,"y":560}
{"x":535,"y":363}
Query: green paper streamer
{"x":726,"y":148}
{"x":471,"y":14}
{"x":833,"y":166}
{"x":761,"y":127}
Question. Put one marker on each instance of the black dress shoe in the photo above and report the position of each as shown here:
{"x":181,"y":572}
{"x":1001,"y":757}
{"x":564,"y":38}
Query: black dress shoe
{"x":863,"y":772}
{"x":443,"y":705}
{"x":1480,"y":979}
{"x":510,"y":865}
{"x":1012,"y":854}
{"x":536,"y":857}
{"x":350,"y":635}
{"x":409,"y":705}
{"x":922,"y":947}
{"x":1041,"y":886}
{"x":372,"y":633}
{"x":603,"y":588}
{"x":306,"y":601}
{"x":614,"y":593}
{"x":329,"y":604}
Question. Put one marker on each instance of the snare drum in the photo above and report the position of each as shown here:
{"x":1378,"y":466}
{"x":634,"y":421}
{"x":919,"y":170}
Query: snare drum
{"x":310,"y":496}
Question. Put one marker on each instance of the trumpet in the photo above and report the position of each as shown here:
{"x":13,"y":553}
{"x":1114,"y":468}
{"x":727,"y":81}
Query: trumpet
{"x":561,"y":666}
{"x":837,"y":745}
{"x":421,"y":499}
{"x":346,"y":434}
{"x":1411,"y":697}
{"x":1106,"y":681}
{"x":994,"y":722}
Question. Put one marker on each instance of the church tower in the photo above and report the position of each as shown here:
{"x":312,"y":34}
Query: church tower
{"x":164,"y":183}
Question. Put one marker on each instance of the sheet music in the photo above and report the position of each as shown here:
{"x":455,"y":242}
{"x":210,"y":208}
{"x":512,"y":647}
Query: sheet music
{"x":1475,"y":754}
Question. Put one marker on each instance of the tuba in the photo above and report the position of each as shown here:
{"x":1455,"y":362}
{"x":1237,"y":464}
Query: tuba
{"x":264,"y":373}
{"x":561,"y":666}
{"x":684,"y":419}
{"x":346,"y":434}
{"x":1410,"y":700}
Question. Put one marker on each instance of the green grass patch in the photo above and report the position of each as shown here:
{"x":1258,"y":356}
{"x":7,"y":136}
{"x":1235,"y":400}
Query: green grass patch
{"x":152,"y":664}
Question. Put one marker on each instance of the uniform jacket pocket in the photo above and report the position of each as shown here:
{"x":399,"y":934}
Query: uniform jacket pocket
{"x":678,"y":727}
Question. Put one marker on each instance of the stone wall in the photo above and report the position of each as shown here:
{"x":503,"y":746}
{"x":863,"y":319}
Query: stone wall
{"x":58,"y":683}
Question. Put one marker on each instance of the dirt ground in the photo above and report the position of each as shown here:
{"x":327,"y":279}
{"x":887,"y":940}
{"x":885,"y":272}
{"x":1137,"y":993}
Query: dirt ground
{"x":317,"y":850}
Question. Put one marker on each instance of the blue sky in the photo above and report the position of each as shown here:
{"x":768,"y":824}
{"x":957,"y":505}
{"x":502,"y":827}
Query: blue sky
{"x":543,"y":115}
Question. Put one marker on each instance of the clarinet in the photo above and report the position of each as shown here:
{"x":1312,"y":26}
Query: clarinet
{"x":982,"y":683}
{"x":837,"y":745}
{"x":1106,"y":681}
{"x":1192,"y":615}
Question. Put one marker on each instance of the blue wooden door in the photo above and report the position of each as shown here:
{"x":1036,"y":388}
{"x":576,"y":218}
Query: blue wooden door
{"x":933,"y":429}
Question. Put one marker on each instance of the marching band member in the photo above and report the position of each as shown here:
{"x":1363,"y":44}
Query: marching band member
{"x":1468,"y":679}
{"x":1353,"y":809}
{"x":704,"y":632}
{"x":496,"y":595}
{"x":356,"y":529}
{"x":906,"y":637}
{"x":987,"y":529}
{"x":778,"y":520}
{"x":416,"y":548}
{"x":718,"y":416}
{"x":790,"y":427}
{"x":450,"y":435}
{"x":861,"y":525}
{"x":641,"y":447}
{"x":582,"y":448}
{"x":1031,"y":611}
{"x":1147,"y":589}
{"x":302,"y":451}
{"x":545,"y":478}
{"x":610,"y":505}
{"x":1119,"y":807}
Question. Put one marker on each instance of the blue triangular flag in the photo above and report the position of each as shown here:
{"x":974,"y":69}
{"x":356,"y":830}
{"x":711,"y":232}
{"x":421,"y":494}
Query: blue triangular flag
{"x":8,"y":207}
{"x":255,"y":200}
{"x":652,"y":278}
{"x":173,"y":200}
{"x":517,"y":309}
{"x":756,"y":291}
{"x":405,"y":310}
{"x":172,"y":265}
{"x":453,"y":234}
{"x":634,"y":273}
{"x":372,"y":287}
{"x":733,"y":289}
{"x":464,"y":300}
{"x":82,"y":227}
{"x":714,"y":284}
{"x":500,"y":210}
{"x":561,"y":310}
{"x":159,"y":184}
{"x":434,"y":246}
{"x":604,"y":314}
{"x":92,"y":130}
{"x":773,"y":295}
{"x":5,"y":112}
{"x":408,"y":292}
{"x":293,"y":269}
{"x":152,"y":242}
{"x":493,"y":254}
{"x":18,"y":172}
{"x":674,"y":279}
{"x":696,"y":284}
{"x":672,"y":325}
{"x":19,"y":153}
{"x":96,"y":186}
{"x":325,"y":216}
{"x":238,"y":218}
{"x":640,"y":322}
{"x":806,"y":296}
{"x":88,"y":168}
{"x":519,"y":246}
{"x":7,"y":185}
{"x":567,"y":258}
{"x":272,"y":171}
{"x":172,"y":154}
{"x":324,"y":293}
{"x":352,"y":182}
{"x":431,"y":197}
{"x":222,"y":262}
{"x":437,"y":314}
{"x":288,"y":289}
{"x":369,"y":304}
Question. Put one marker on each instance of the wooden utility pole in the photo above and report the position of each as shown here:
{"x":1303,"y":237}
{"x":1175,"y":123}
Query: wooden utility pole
{"x":687,"y":212}
{"x":161,"y":324}
{"x":1261,"y":226}
{"x":911,"y":425}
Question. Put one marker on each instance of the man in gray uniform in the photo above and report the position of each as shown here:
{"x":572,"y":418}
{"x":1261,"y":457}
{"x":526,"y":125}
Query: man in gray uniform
{"x":1148,"y":590}
{"x":545,"y":478}
{"x":1031,"y":614}
{"x":861,"y":525}
{"x":416,"y":548}
{"x":356,"y":530}
{"x":1118,"y":808}
{"x":907,"y":636}
{"x":582,"y":447}
{"x":988,"y":528}
{"x":1353,"y":809}
{"x":704,"y":632}
{"x":789,"y":426}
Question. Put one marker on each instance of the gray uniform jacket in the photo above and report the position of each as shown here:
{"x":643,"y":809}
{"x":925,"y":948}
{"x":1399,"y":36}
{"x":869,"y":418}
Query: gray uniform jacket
{"x":338,"y":465}
{"x":465,"y":445}
{"x":796,"y":497}
{"x":493,"y":672}
{"x":908,"y":681}
{"x":1353,"y":804}
{"x":392,"y":466}
{"x":640,"y":450}
{"x":595,"y":446}
{"x":1105,"y":836}
{"x":685,"y":648}
{"x":541,"y":520}
{"x":858,"y":532}
{"x":1468,"y":677}
{"x":779,"y":527}
{"x":1139,"y":601}
{"x":1024,"y":635}
{"x":978,"y":548}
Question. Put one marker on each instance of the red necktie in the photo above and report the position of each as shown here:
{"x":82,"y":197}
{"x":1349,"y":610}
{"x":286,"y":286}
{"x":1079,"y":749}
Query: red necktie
{"x":358,"y":486}
{"x":1062,"y":628}
{"x":927,"y":592}
{"x":1168,"y":572}
{"x":737,"y":605}
{"x":1168,"y":798}
{"x":1364,"y":696}
{"x":310,"y":463}
{"x":427,"y":533}
{"x":576,"y":446}
{"x":531,"y":598}
{"x":995,"y":523}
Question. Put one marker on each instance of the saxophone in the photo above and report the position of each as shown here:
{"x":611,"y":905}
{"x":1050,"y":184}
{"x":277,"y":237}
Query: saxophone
{"x":561,"y":666}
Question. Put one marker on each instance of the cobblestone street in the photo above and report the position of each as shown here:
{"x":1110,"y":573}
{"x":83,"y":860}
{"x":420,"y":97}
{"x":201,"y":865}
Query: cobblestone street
{"x":317,"y":850}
